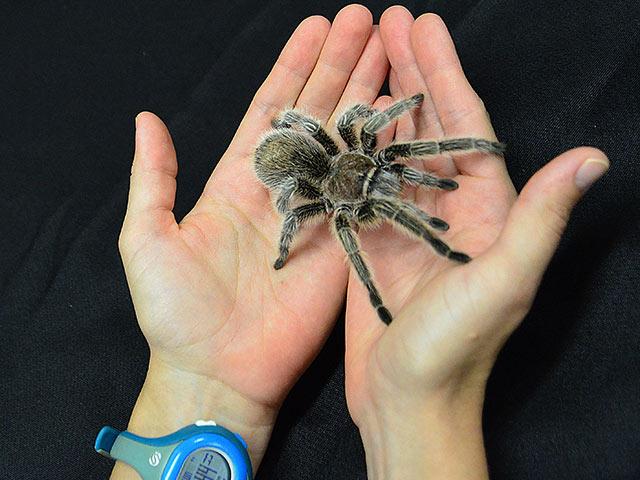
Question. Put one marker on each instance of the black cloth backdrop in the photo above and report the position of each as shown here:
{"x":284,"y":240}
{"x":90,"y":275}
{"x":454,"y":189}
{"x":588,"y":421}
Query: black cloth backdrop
{"x":564,"y":399}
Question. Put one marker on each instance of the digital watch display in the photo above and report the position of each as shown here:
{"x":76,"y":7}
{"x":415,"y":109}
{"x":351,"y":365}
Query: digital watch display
{"x":202,"y":451}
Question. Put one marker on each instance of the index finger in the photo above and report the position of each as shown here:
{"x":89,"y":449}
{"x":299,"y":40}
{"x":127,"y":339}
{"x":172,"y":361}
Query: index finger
{"x":282,"y":86}
{"x":460,"y":110}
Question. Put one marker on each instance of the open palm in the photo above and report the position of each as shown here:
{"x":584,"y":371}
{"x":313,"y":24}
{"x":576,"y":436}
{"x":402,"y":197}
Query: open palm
{"x":450,"y":320}
{"x":206,"y":295}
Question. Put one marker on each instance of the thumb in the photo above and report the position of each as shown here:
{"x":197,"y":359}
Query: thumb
{"x":152,"y":190}
{"x":539,"y":216}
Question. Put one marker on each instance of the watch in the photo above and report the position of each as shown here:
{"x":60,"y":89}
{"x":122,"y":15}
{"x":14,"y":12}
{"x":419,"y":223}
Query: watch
{"x":202,"y":451}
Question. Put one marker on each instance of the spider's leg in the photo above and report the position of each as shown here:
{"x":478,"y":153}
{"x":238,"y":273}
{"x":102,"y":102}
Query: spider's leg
{"x":294,"y":118}
{"x":293,"y":186}
{"x":380,"y":120}
{"x":411,"y":210}
{"x":287,"y":190}
{"x":292,"y":221}
{"x":349,"y":240}
{"x":365,"y":216}
{"x":307,"y":190}
{"x":405,"y":215}
{"x":346,"y":122}
{"x":416,"y":177}
{"x":423,"y":148}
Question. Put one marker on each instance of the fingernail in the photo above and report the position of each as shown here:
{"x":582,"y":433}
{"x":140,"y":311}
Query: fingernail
{"x":140,"y":131}
{"x":590,"y":171}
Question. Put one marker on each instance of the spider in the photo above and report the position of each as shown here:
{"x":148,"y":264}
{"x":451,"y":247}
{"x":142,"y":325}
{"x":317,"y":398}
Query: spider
{"x":300,"y":161}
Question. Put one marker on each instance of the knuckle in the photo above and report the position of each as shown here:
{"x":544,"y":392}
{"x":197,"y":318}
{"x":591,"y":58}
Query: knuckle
{"x":127,"y":239}
{"x":124,"y":240}
{"x":520,"y":297}
{"x":132,"y":242}
{"x":513,"y":283}
{"x":481,"y":107}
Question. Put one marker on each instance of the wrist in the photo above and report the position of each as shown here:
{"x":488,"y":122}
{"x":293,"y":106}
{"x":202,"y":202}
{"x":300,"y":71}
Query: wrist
{"x":435,"y":438}
{"x":172,"y":398}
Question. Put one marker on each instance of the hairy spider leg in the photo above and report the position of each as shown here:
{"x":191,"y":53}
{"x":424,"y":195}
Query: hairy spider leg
{"x":346,"y":123}
{"x":421,"y":148}
{"x":349,"y":240}
{"x":434,"y":222}
{"x":292,"y":186}
{"x":308,"y":191}
{"x":291,"y":118}
{"x":380,"y":120}
{"x":404,"y":215}
{"x":288,"y":189}
{"x":416,"y":177}
{"x":293,"y":220}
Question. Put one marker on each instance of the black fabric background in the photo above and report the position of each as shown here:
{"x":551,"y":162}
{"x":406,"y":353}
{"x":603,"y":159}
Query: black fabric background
{"x":564,"y":399}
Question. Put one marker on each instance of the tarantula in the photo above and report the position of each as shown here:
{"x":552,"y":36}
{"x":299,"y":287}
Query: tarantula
{"x":299,"y":160}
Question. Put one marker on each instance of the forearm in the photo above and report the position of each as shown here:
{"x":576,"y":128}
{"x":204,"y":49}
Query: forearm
{"x":439,"y":439}
{"x":171,"y":399}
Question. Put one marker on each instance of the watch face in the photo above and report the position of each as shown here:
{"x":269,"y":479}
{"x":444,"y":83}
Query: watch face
{"x":205,"y":464}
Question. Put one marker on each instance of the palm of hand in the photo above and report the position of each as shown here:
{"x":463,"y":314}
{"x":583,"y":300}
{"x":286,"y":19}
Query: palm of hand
{"x":437,"y":304}
{"x":451,"y":320}
{"x":434,"y":301}
{"x":206,"y":295}
{"x":215,"y":304}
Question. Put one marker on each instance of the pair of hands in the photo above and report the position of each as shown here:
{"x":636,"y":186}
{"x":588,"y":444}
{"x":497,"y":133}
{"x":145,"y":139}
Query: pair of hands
{"x":229,"y":335}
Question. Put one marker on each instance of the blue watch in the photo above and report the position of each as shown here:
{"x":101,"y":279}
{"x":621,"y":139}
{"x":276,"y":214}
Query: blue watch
{"x":202,"y":451}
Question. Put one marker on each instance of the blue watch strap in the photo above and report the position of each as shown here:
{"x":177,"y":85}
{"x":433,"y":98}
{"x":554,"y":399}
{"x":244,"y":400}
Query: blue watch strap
{"x":148,"y":456}
{"x":162,"y":458}
{"x":106,"y":437}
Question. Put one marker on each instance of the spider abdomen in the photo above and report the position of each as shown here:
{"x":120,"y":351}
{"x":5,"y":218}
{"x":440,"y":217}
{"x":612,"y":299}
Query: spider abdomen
{"x":285,"y":154}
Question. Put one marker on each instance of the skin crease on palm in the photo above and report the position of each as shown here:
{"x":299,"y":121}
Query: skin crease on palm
{"x":210,"y":303}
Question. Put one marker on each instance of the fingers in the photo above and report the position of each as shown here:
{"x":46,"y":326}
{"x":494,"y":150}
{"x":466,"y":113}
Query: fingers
{"x":539,"y":216}
{"x":153,"y":176}
{"x":283,"y":84}
{"x":458,"y":107}
{"x":406,"y":79}
{"x":367,"y":77}
{"x":395,"y":28}
{"x":344,"y":45}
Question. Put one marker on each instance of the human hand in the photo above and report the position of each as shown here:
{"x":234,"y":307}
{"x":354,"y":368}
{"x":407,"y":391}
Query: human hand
{"x":228,"y":334}
{"x":415,"y":388}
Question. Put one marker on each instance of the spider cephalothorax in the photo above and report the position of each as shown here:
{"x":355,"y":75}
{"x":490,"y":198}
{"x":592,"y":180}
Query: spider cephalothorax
{"x":362,"y":185}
